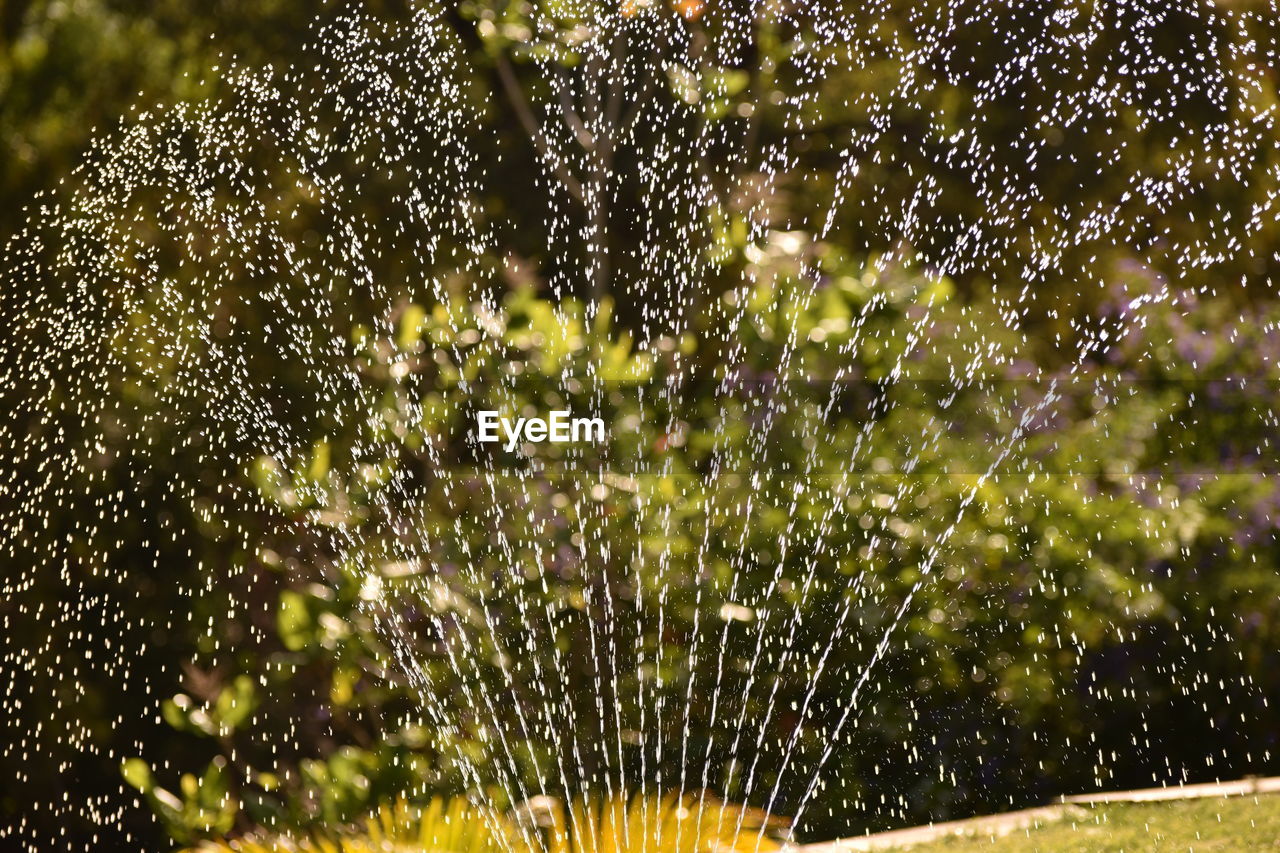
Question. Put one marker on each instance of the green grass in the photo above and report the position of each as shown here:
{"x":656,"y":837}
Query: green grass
{"x":1246,"y":823}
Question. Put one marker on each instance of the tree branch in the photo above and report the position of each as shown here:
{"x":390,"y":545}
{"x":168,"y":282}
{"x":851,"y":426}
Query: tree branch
{"x":515,"y":95}
{"x":571,"y":119}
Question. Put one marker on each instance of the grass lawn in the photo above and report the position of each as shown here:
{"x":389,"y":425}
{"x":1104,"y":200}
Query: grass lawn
{"x":1236,"y":824}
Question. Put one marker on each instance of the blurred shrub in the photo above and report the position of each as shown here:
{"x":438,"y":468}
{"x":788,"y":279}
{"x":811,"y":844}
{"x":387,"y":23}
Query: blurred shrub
{"x":1104,"y":602}
{"x":1084,"y":555}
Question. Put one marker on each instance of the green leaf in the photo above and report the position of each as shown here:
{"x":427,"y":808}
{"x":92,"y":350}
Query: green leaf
{"x":214,"y":787}
{"x":319,"y":461}
{"x":411,"y":322}
{"x":174,"y":712}
{"x":293,"y":621}
{"x":236,"y":702}
{"x":190,"y":786}
{"x":136,"y":772}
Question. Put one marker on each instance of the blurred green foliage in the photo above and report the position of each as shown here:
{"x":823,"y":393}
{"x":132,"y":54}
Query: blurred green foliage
{"x":1109,"y":591}
{"x":918,"y":83}
{"x":1124,"y":561}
